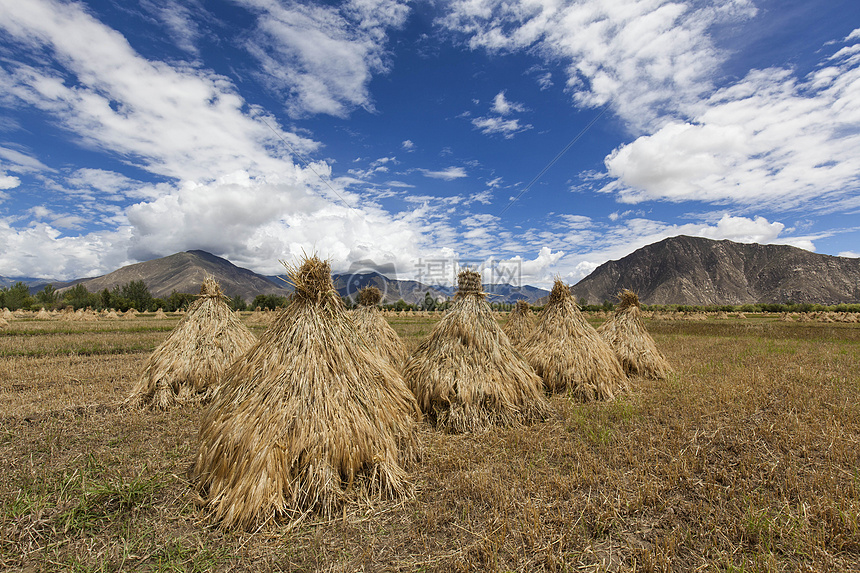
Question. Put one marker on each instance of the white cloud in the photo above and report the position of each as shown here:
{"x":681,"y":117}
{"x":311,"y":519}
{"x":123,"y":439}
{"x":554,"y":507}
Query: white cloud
{"x":506,"y":127}
{"x":449,"y":174}
{"x":645,"y":58}
{"x":768,"y":139}
{"x":850,"y":254}
{"x":502,"y":106}
{"x":321,"y":58}
{"x":8,"y":181}
{"x":178,"y":122}
{"x":408,"y":145}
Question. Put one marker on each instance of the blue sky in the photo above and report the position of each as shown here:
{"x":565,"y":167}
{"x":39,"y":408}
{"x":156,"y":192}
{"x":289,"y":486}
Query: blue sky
{"x":423,"y":135}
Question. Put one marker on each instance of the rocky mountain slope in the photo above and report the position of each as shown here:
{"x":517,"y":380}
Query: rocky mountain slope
{"x":694,"y":270}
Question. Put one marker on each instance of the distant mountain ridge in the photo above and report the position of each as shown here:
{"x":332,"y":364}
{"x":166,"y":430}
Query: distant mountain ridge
{"x":184,"y":272}
{"x":699,"y":271}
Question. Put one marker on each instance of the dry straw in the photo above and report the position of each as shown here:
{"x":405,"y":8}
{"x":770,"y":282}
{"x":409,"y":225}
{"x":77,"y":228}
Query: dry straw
{"x":467,"y":374}
{"x":188,"y":364}
{"x":520,"y":324}
{"x":307,"y":418}
{"x":3,"y":323}
{"x":568,"y":353}
{"x":625,"y":332}
{"x":376,"y":330}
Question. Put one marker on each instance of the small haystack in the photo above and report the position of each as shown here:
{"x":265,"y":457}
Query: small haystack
{"x":308,"y":413}
{"x":568,"y":353}
{"x":520,"y":324}
{"x":626,"y":334}
{"x":160,"y":313}
{"x":6,"y":314}
{"x":3,"y":323}
{"x":467,"y":374}
{"x":112,"y":315}
{"x":189,"y":362}
{"x":43,"y":314}
{"x":130,"y":314}
{"x":376,"y":329}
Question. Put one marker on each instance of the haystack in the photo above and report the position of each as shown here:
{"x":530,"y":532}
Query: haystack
{"x":160,"y":313}
{"x":568,"y":353}
{"x":6,"y":314}
{"x":43,"y":314}
{"x":3,"y":323}
{"x":376,"y":329}
{"x":520,"y":324}
{"x":130,"y":314}
{"x":306,"y":417}
{"x":467,"y":374}
{"x":111,"y":315}
{"x":192,"y":358}
{"x":626,"y":334}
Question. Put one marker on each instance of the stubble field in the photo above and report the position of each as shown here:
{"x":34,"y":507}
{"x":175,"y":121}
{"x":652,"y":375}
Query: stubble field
{"x":746,"y":459}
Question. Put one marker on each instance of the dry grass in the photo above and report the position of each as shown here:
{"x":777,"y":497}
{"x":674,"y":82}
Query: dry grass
{"x":744,"y":459}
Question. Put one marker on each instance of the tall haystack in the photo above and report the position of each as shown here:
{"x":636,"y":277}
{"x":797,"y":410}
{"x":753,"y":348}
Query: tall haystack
{"x":568,"y":353}
{"x":187,"y":365}
{"x":520,"y":324}
{"x":467,"y":374}
{"x":306,"y":415}
{"x":375,"y":328}
{"x":625,"y":332}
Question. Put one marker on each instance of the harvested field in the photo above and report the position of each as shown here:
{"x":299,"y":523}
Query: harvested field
{"x":746,"y":458}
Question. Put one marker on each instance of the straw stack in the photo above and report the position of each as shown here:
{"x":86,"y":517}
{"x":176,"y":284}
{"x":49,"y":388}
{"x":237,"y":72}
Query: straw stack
{"x":467,"y":375}
{"x":568,"y":353}
{"x":306,"y":418}
{"x":188,"y":364}
{"x":520,"y":324}
{"x":626,"y":334}
{"x":376,"y":329}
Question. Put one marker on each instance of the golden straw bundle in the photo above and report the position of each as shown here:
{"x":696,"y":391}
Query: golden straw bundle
{"x":307,"y":415}
{"x":187,"y":365}
{"x":568,"y":353}
{"x":467,"y":374}
{"x":376,"y":329}
{"x":520,"y":324}
{"x":626,"y":334}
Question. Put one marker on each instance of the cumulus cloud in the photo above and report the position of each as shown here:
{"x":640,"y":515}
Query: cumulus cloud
{"x":321,"y":58}
{"x":498,"y":123}
{"x":8,"y":181}
{"x":771,"y":138}
{"x":408,"y":145}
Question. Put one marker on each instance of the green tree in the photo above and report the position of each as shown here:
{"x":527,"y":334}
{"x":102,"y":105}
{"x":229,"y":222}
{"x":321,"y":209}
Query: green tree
{"x":269,"y":301}
{"x":429,"y":301}
{"x":238,"y":303}
{"x":178,"y":300}
{"x":79,"y":297}
{"x":137,"y":293}
{"x":17,"y":296}
{"x":48,"y":296}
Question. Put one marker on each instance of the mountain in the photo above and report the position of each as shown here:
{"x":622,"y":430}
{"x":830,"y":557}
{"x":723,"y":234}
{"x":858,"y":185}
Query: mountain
{"x":184,"y":272}
{"x":694,"y":270}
